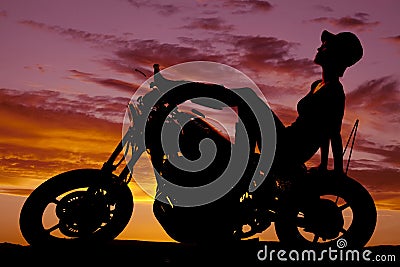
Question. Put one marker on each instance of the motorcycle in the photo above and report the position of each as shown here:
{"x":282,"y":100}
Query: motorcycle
{"x":307,"y":207}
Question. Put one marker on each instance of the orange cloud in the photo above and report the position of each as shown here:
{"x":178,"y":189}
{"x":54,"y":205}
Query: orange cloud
{"x":383,"y":184}
{"x":38,"y":141}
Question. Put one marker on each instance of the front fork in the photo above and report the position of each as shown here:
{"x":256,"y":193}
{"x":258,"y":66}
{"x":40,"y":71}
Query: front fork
{"x":119,"y":156}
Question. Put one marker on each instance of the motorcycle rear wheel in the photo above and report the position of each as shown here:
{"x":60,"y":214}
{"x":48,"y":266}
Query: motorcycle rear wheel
{"x":77,"y":205}
{"x":343,"y":214}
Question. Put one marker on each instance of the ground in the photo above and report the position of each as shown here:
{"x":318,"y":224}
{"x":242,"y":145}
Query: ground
{"x":249,"y":252}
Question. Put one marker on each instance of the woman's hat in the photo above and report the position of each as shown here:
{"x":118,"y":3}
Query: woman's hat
{"x":347,"y":44}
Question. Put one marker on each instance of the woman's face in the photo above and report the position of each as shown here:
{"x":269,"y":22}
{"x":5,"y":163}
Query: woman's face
{"x":324,"y":54}
{"x":330,"y":58}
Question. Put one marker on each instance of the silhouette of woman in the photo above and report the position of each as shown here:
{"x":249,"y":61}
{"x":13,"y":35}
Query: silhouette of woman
{"x":321,"y":110}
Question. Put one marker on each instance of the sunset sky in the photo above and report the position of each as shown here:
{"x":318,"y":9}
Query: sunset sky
{"x":67,"y":73}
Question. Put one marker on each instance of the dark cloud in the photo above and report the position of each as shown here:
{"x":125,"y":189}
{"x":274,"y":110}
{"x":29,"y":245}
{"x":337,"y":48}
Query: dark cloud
{"x":44,"y":132}
{"x":205,"y":45}
{"x":371,"y":154}
{"x":256,"y":53}
{"x":286,"y":114}
{"x":48,"y":102}
{"x":16,"y":191}
{"x":162,"y":9}
{"x":99,"y":40}
{"x":389,"y":153}
{"x":138,"y":3}
{"x":37,"y":67}
{"x":360,"y":21}
{"x":120,"y":85}
{"x":362,"y":16}
{"x":148,"y":52}
{"x":268,"y":48}
{"x":208,"y":24}
{"x":81,"y":74}
{"x":247,"y":6}
{"x":378,"y":101}
{"x":362,"y":164}
{"x":43,"y":163}
{"x":269,"y":54}
{"x":378,"y":97}
{"x":108,"y":82}
{"x":383,"y":185}
{"x":135,"y":52}
{"x":395,"y":39}
{"x":294,"y":67}
{"x":168,"y":10}
{"x":378,"y":180}
{"x":259,"y":54}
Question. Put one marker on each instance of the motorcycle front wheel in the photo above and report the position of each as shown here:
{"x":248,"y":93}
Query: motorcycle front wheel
{"x":81,"y":204}
{"x":328,"y":211}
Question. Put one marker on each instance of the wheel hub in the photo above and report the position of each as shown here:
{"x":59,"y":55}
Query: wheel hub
{"x":82,"y":213}
{"x":325,"y":219}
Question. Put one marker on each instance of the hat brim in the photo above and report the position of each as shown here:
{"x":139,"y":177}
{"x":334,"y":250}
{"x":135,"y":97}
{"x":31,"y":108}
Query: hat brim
{"x":326,"y":36}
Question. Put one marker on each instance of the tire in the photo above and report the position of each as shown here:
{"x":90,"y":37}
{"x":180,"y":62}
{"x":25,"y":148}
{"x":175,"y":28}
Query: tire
{"x":343,"y":214}
{"x":60,"y":208}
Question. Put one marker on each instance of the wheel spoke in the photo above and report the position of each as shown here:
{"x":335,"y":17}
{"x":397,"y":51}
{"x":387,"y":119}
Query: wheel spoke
{"x":53,"y":228}
{"x":301,"y":222}
{"x":345,"y":206}
{"x":55,"y":201}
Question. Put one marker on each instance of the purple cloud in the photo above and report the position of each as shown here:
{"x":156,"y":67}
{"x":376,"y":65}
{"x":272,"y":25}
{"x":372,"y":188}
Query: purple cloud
{"x":379,"y":96}
{"x":389,"y":153}
{"x":162,"y":9}
{"x":257,"y":53}
{"x":208,"y":24}
{"x":248,"y":6}
{"x":120,"y":85}
{"x":102,"y":107}
{"x":395,"y":39}
{"x":268,"y":54}
{"x":360,"y":21}
{"x":38,"y":67}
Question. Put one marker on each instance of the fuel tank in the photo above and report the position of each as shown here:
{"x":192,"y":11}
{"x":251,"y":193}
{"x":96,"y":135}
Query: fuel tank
{"x":205,"y":150}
